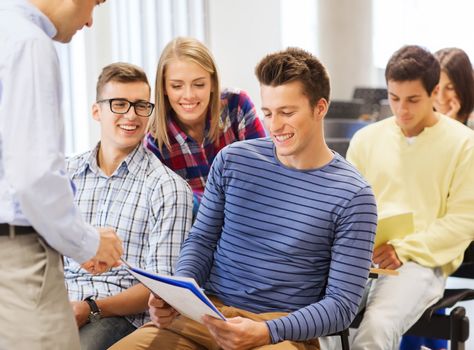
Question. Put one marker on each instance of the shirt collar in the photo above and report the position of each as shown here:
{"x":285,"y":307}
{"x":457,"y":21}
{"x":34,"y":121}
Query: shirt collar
{"x":33,"y":14}
{"x":131,"y":163}
{"x":180,"y":136}
{"x":175,"y":130}
{"x":90,"y":162}
{"x":134,"y":160}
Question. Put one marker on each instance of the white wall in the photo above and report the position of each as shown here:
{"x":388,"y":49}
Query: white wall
{"x":241,"y":33}
{"x":99,"y":54}
{"x":345,"y":44}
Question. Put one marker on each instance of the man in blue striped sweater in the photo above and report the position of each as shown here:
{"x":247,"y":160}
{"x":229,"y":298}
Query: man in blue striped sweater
{"x":283,"y":239}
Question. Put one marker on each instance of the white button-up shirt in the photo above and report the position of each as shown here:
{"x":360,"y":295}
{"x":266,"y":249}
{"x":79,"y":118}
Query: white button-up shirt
{"x":34,"y":187}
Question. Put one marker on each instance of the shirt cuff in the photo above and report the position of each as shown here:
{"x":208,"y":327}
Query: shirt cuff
{"x":90,"y":245}
{"x":272,"y":327}
{"x":397,"y":244}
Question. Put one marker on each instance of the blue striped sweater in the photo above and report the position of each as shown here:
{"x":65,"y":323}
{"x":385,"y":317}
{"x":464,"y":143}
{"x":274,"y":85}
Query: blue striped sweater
{"x":268,"y":238}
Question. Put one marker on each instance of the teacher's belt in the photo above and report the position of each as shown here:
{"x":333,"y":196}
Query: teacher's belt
{"x":12,"y":230}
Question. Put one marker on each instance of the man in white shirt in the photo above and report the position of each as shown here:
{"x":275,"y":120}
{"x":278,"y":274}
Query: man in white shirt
{"x":38,"y":220}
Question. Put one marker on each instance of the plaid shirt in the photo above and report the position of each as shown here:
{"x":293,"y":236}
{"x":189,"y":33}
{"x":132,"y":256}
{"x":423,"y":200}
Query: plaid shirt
{"x":192,"y":161}
{"x":149,"y":207}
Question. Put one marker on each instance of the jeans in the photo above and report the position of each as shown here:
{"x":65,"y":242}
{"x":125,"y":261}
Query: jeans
{"x":102,"y":334}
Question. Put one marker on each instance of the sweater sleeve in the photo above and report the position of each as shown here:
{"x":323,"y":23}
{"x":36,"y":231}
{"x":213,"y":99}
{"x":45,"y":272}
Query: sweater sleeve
{"x":197,"y":254}
{"x":443,"y":242}
{"x":351,"y":255}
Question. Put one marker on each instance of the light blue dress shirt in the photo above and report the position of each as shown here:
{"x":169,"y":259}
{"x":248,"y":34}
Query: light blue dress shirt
{"x":34,"y":187}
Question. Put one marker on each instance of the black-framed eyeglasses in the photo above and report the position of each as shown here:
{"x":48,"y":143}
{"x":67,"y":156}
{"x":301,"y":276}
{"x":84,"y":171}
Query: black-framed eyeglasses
{"x":122,"y":106}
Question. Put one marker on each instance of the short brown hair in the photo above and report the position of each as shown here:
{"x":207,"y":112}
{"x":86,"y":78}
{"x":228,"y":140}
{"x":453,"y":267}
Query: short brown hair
{"x":120,"y":72}
{"x":191,"y":50}
{"x":294,"y":64}
{"x":412,"y":62}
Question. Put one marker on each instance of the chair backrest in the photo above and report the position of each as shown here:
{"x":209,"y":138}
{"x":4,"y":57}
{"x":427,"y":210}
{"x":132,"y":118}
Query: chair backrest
{"x":338,"y":133}
{"x":384,"y":110}
{"x":347,"y":109}
{"x":373,"y":98}
{"x":370,"y":95}
{"x":342,"y":128}
{"x":339,"y":145}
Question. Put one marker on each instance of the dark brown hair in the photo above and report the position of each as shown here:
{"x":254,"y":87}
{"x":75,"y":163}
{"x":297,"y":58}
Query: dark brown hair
{"x":413,"y":62}
{"x":456,"y":64}
{"x":294,"y":64}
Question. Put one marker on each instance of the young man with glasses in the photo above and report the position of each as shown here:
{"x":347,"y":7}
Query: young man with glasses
{"x":38,"y":219}
{"x":121,"y":184}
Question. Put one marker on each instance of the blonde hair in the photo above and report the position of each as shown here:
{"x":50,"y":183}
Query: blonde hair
{"x":192,"y":50}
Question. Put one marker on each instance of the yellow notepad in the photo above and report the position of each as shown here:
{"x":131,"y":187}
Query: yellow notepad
{"x":392,"y":227}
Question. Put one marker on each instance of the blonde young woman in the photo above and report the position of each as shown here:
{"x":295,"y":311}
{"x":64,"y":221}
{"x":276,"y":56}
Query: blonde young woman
{"x":194,"y":119}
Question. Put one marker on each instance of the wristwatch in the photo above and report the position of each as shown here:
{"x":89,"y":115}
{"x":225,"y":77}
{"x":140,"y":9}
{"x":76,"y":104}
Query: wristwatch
{"x":94,"y":314}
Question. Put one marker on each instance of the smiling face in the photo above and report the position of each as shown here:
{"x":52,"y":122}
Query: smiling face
{"x":411,"y":105}
{"x":445,"y":95}
{"x":294,"y":126}
{"x":188,"y":88}
{"x":121,"y":132}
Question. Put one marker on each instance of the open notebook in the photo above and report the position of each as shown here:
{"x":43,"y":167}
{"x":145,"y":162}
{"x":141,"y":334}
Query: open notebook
{"x":182,"y":293}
